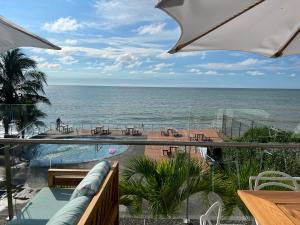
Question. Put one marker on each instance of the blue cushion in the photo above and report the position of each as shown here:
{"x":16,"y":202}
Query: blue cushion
{"x":42,"y":206}
{"x":89,"y":186}
{"x":71,"y":212}
{"x":101,"y":167}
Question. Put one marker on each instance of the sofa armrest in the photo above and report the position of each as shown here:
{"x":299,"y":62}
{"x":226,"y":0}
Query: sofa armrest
{"x":65,"y":177}
{"x":104,"y":206}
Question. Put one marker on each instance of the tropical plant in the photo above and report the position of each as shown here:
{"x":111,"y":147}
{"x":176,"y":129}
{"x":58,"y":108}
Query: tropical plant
{"x":228,"y":181}
{"x":162,"y":185}
{"x":266,"y":134}
{"x":20,"y":83}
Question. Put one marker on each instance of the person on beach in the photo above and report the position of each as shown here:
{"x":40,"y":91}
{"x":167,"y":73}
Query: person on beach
{"x":58,"y":122}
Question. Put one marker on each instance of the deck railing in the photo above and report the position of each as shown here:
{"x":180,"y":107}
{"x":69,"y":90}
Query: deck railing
{"x":9,"y":143}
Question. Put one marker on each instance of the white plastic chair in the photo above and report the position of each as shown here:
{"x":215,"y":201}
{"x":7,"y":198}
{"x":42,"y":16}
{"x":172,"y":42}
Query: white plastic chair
{"x":273,"y":178}
{"x":206,"y":218}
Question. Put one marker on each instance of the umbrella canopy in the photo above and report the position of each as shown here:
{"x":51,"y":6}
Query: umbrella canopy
{"x":13,"y":36}
{"x":268,"y":27}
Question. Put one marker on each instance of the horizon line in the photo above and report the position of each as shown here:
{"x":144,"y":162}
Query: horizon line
{"x":191,"y":87}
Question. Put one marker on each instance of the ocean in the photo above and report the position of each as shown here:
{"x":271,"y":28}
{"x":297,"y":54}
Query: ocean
{"x":177,"y":107}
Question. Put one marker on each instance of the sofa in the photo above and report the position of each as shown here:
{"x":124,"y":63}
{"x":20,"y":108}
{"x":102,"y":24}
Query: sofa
{"x":75,"y":197}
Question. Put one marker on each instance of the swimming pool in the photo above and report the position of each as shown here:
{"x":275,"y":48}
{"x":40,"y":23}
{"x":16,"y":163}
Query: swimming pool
{"x":46,"y":155}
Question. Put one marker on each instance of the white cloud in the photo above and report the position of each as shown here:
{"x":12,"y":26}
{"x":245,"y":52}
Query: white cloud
{"x":71,"y":42}
{"x":200,"y":54}
{"x":193,"y":70}
{"x":245,"y":64}
{"x":198,"y":71}
{"x":120,"y":12}
{"x":211,"y":72}
{"x":255,"y":73}
{"x":164,"y":55}
{"x":114,"y":53}
{"x":161,"y":66}
{"x":127,"y":60}
{"x":111,"y":68}
{"x":51,"y":66}
{"x":42,"y":63}
{"x":63,"y":24}
{"x":293,"y":75}
{"x":38,"y":59}
{"x":67,"y":60}
{"x":151,"y":29}
{"x":248,"y":62}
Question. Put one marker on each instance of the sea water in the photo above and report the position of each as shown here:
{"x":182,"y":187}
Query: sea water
{"x":81,"y":105}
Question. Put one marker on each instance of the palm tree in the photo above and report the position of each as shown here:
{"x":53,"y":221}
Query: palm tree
{"x":20,"y":83}
{"x":162,"y":185}
{"x":29,"y":114}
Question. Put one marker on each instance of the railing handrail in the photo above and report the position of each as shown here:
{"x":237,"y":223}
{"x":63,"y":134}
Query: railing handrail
{"x":147,"y":142}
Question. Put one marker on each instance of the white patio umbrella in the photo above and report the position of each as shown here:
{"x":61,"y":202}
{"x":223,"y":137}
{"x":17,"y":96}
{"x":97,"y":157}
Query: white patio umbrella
{"x":14,"y":36}
{"x":268,"y":27}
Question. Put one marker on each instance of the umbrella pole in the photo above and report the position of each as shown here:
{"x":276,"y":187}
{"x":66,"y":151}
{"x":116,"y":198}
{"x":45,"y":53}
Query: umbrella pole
{"x":8,"y":182}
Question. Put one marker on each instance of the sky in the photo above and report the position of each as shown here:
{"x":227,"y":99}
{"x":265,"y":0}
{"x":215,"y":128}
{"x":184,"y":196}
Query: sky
{"x":125,"y":43}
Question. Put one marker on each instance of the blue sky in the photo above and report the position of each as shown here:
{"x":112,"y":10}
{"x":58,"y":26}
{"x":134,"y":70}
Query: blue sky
{"x":118,"y":42}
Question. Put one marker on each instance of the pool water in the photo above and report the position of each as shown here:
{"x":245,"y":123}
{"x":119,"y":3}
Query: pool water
{"x":46,"y":155}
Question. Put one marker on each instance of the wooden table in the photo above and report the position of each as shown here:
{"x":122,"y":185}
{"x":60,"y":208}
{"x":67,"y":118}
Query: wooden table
{"x":130,"y":129}
{"x":273,"y":207}
{"x":99,"y":128}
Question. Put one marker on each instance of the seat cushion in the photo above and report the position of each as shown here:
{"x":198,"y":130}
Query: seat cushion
{"x":43,"y":206}
{"x":90,"y":185}
{"x":71,"y":212}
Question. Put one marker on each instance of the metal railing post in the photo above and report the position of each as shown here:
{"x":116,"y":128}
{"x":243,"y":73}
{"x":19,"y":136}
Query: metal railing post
{"x":252,"y":131}
{"x":231,"y":127}
{"x":187,"y":219}
{"x":8,"y":182}
{"x":225,"y":125}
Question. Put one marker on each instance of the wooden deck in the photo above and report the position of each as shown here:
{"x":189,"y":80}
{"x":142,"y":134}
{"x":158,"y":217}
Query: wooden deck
{"x":156,"y":152}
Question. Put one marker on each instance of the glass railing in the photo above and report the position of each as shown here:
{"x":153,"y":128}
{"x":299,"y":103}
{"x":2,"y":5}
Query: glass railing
{"x":161,"y":181}
{"x":196,"y":158}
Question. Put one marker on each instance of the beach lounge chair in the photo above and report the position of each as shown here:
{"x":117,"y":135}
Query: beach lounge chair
{"x":75,"y":196}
